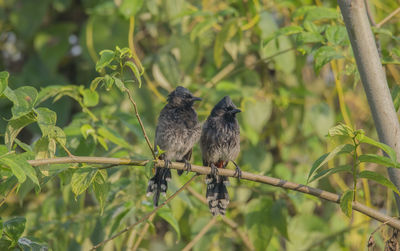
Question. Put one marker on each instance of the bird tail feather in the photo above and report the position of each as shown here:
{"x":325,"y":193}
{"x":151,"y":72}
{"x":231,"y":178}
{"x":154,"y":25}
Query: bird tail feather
{"x":217,"y":194}
{"x":158,"y":184}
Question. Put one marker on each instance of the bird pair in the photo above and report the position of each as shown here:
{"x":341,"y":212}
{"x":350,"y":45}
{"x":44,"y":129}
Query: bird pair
{"x":177,"y":131}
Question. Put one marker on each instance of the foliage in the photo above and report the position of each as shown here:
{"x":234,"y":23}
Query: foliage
{"x":287,"y":64}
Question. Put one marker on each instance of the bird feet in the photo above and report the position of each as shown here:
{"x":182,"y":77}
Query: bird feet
{"x":167,"y":163}
{"x":188,"y":166}
{"x":214,"y":169}
{"x":238,"y":172}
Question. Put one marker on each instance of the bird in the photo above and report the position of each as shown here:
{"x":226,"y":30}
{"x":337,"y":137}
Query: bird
{"x":219,"y":144}
{"x":177,"y":130}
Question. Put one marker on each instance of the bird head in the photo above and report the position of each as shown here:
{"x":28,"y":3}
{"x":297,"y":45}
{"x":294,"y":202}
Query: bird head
{"x":225,"y":108}
{"x":181,"y":97}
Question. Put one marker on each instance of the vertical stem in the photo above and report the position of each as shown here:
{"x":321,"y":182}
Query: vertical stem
{"x":355,"y":160}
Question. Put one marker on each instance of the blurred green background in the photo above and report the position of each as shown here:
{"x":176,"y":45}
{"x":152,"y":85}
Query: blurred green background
{"x":292,"y":85}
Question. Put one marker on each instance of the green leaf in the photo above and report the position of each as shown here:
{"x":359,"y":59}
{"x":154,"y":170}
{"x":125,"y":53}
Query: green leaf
{"x":119,"y":84}
{"x":341,"y":130}
{"x":324,"y":55}
{"x":373,"y":158}
{"x":284,"y":31}
{"x":166,"y":214}
{"x":129,"y":8}
{"x":278,"y":217}
{"x":387,"y":149}
{"x":95,"y":82}
{"x":327,"y":172}
{"x":345,"y":148}
{"x":257,"y":219}
{"x":106,"y":57}
{"x":20,"y":167}
{"x":346,"y":201}
{"x":336,"y":34}
{"x":44,"y":149}
{"x":101,"y":188}
{"x":109,"y":81}
{"x":3,"y":81}
{"x":201,"y":27}
{"x":14,"y":228}
{"x":1,"y":226}
{"x":114,"y":137}
{"x":14,"y":126}
{"x":379,"y":178}
{"x":308,"y":37}
{"x":23,"y":98}
{"x":46,"y":119}
{"x":135,"y":71}
{"x":227,"y":32}
{"x":320,"y":13}
{"x":90,"y":98}
{"x":31,"y":244}
{"x":82,"y":179}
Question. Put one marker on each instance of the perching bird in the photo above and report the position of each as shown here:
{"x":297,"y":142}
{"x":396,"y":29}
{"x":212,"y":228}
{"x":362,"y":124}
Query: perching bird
{"x":220,"y":143}
{"x":178,"y":129}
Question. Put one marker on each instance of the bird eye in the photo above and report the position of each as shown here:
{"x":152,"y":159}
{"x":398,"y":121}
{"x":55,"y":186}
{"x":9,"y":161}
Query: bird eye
{"x":229,"y":108}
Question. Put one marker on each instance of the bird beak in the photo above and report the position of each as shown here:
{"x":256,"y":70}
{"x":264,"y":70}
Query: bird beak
{"x":196,"y":99}
{"x":234,"y":111}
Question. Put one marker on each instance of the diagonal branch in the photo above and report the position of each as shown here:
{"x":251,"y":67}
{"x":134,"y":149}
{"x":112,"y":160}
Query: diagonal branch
{"x":202,"y":232}
{"x":229,"y":173}
{"x":147,"y":216}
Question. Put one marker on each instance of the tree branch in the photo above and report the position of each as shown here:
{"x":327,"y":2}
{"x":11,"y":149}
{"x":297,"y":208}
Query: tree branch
{"x":373,"y":78}
{"x":202,"y":232}
{"x":230,"y":173}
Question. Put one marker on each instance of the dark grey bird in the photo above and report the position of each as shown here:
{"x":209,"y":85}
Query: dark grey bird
{"x":178,"y":129}
{"x":220,"y":143}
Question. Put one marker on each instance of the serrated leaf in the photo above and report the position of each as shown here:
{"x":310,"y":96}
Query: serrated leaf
{"x":23,"y":98}
{"x":14,"y":228}
{"x":113,"y":137}
{"x":95,"y":82}
{"x":341,"y":130}
{"x":3,"y":81}
{"x":101,"y":188}
{"x":90,"y":98}
{"x":135,"y":71}
{"x":336,"y":34}
{"x":387,"y":149}
{"x":345,"y":148}
{"x":43,"y":149}
{"x":373,"y":158}
{"x":46,"y":119}
{"x":227,"y":32}
{"x":82,"y":179}
{"x":346,"y":202}
{"x":379,"y":178}
{"x":324,"y":55}
{"x":327,"y":172}
{"x":106,"y":57}
{"x":14,"y":126}
{"x":166,"y":214}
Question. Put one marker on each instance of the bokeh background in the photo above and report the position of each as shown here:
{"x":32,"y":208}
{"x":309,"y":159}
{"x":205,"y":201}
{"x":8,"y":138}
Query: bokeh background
{"x":290,"y":90}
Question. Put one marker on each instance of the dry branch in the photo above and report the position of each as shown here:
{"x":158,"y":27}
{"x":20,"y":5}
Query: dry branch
{"x":230,"y":173}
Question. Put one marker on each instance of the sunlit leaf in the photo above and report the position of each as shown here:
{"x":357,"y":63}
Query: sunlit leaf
{"x":14,"y":228}
{"x":135,"y":71}
{"x":23,"y":98}
{"x":327,"y":172}
{"x":101,"y":188}
{"x":324,"y":55}
{"x":90,"y":98}
{"x":387,"y":149}
{"x":46,"y":119}
{"x":14,"y":126}
{"x":82,"y":179}
{"x":379,"y":178}
{"x":113,"y":137}
{"x":346,"y":201}
{"x":377,"y":159}
{"x":106,"y":57}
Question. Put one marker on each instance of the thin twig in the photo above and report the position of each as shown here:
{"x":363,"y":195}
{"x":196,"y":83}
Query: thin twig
{"x":8,"y":194}
{"x":140,"y":122}
{"x":390,"y":16}
{"x":200,"y":234}
{"x":229,"y":222}
{"x":142,"y":233}
{"x":147,"y":216}
{"x":229,"y":173}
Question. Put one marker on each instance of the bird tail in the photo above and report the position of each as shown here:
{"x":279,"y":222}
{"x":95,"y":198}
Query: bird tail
{"x":158,"y":184}
{"x":217,"y":194}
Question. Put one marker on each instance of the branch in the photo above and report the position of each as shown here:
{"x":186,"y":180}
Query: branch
{"x":390,"y":16}
{"x":140,"y":122}
{"x":373,"y":78}
{"x":147,"y":216}
{"x":202,"y":232}
{"x":8,"y":194}
{"x":229,"y":173}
